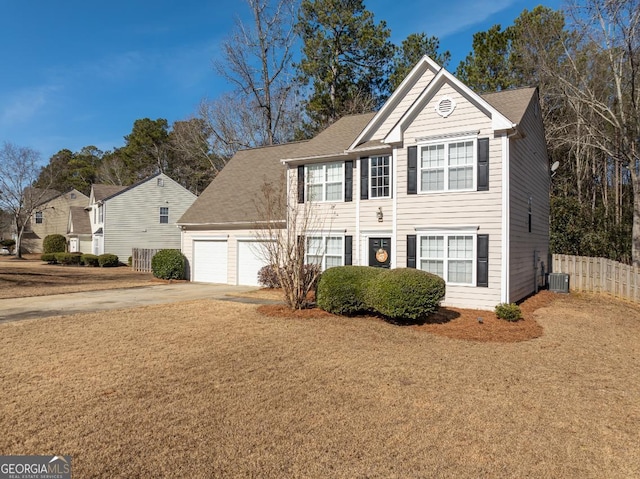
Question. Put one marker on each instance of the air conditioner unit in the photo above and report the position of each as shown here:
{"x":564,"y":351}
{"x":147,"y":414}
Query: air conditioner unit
{"x":559,"y":282}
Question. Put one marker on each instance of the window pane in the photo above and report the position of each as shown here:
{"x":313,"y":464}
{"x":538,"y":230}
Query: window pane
{"x":314,"y":259}
{"x":461,"y":153}
{"x":333,"y":261}
{"x":379,"y":174}
{"x":432,"y":180}
{"x":459,"y":271}
{"x":460,"y":247}
{"x":315,"y":245}
{"x":315,"y":193}
{"x":334,"y":191}
{"x":334,"y":246}
{"x":433,"y":156}
{"x":314,"y":174}
{"x":334,"y":172}
{"x":432,"y":247}
{"x":461,"y":178}
{"x":432,"y":266}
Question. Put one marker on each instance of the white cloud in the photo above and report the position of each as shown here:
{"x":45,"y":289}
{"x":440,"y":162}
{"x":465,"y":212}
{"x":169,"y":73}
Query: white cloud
{"x":22,"y":105}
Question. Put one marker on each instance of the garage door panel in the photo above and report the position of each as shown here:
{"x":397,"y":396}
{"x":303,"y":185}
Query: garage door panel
{"x":210,"y":261}
{"x":250,"y":260}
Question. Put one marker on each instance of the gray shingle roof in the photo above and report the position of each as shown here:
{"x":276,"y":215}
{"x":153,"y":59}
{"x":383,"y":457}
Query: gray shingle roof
{"x":511,"y":103}
{"x":232,"y":195}
{"x":100,"y":192}
{"x":80,"y":220}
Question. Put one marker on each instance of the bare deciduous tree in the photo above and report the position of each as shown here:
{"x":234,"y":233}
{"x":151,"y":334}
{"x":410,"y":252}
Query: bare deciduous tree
{"x":19,"y":169}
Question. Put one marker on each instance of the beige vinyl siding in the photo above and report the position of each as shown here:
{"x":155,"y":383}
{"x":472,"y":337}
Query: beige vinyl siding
{"x":529,"y":177}
{"x":132,"y":218}
{"x":55,"y":216}
{"x":482,"y":209}
{"x":403,"y":106}
{"x":231,"y":236}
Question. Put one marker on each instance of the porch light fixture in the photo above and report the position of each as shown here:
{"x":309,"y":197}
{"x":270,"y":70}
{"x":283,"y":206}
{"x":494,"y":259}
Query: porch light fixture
{"x":379,"y":214}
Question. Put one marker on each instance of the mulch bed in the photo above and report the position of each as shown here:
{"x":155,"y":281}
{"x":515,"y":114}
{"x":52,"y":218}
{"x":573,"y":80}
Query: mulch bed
{"x":455,"y":323}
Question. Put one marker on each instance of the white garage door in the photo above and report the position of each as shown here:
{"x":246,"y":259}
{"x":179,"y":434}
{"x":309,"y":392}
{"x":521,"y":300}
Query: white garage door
{"x":250,"y":260}
{"x":210,"y":261}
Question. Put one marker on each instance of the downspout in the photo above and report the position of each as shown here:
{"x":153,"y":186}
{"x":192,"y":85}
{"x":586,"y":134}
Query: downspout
{"x":357,"y":193}
{"x":506,"y":219}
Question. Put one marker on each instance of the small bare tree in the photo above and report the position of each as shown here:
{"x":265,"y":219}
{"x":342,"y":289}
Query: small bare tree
{"x":19,"y":170}
{"x":282,"y":231}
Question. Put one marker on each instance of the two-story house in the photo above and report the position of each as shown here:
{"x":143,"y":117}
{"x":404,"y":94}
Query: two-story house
{"x":50,"y":216}
{"x":440,"y":178}
{"x":142,"y":215}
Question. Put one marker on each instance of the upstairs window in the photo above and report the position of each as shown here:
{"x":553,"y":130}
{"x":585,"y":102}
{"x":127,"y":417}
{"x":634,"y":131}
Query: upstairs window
{"x":447,"y":166}
{"x":380,"y":177}
{"x":100,"y":214}
{"x":39,"y":217}
{"x":164,"y":215}
{"x":325,"y":182}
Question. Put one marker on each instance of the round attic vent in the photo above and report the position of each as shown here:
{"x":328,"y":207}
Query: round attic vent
{"x":445,"y":106}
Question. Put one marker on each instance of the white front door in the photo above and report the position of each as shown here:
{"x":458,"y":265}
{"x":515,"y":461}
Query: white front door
{"x":73,"y":245}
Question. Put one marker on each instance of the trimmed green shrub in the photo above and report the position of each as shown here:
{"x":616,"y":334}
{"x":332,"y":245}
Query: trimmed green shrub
{"x":406,"y":293}
{"x":169,"y":264}
{"x":268,"y":276}
{"x":89,"y":260}
{"x":8,"y":243}
{"x":508,"y":311}
{"x":68,"y":258}
{"x":343,"y":289}
{"x":49,"y":258}
{"x":54,"y":244}
{"x":108,"y":260}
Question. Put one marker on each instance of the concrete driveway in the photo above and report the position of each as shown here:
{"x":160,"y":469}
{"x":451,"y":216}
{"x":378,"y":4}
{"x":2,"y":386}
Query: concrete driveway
{"x":90,"y":301}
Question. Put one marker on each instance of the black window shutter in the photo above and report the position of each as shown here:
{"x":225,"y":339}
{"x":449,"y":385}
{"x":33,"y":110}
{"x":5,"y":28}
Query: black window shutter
{"x":483,"y":261}
{"x":348,"y":250}
{"x":364,"y":178}
{"x":348,"y":180}
{"x":301,"y":184}
{"x":483,"y":164}
{"x":411,"y":251}
{"x":412,"y":170}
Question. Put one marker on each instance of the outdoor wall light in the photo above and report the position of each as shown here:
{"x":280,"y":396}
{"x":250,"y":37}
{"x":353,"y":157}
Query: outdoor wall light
{"x":379,"y":214}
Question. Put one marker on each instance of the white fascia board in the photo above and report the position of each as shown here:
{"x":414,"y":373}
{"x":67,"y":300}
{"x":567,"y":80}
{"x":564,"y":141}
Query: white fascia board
{"x":423,"y":65}
{"x":315,"y":159}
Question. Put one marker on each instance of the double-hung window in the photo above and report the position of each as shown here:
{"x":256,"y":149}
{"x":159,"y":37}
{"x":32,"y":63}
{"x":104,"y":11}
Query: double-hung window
{"x":450,"y":256}
{"x":325,"y":182}
{"x":39,"y":217}
{"x":380,"y":176}
{"x":326,"y":251}
{"x":447,"y":166}
{"x":164,"y":214}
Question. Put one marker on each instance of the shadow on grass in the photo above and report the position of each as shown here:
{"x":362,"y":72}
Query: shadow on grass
{"x":442,"y":316}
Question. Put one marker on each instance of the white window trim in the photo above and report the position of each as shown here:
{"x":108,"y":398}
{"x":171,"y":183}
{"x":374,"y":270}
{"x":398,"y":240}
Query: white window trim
{"x":460,"y":231}
{"x":323,"y":253}
{"x":370,"y":182}
{"x":161,"y":215}
{"x":39,"y":215}
{"x":448,"y":141}
{"x":324,"y":182}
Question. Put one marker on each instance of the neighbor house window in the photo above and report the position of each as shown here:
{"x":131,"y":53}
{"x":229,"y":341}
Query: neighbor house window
{"x":326,"y":251}
{"x":325,"y":182}
{"x":447,"y":166}
{"x":164,"y":215}
{"x":160,"y":181}
{"x":39,"y":217}
{"x":380,"y":176}
{"x":100,"y":214}
{"x":450,"y":256}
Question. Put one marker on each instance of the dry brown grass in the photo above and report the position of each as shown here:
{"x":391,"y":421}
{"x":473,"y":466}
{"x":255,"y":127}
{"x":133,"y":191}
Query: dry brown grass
{"x":215,"y":389}
{"x":24,"y":278}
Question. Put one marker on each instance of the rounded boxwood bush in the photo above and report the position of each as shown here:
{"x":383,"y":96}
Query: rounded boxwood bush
{"x":54,"y":244}
{"x":509,"y":311}
{"x":49,"y":258}
{"x":343,"y":289}
{"x":89,"y":260}
{"x":406,"y":293}
{"x":108,"y":260}
{"x":169,"y":264}
{"x":68,"y":258}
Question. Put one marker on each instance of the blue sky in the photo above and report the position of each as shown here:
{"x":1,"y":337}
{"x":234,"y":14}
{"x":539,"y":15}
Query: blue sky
{"x":78,"y":73}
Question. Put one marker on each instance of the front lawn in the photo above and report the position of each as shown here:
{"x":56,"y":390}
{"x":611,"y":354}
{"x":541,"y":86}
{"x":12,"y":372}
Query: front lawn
{"x":215,"y":389}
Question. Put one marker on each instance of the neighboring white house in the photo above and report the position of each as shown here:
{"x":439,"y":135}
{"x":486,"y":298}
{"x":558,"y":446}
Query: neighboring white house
{"x":142,"y":215}
{"x":440,"y":179}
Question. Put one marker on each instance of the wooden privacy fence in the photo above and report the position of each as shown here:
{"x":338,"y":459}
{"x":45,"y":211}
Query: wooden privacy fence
{"x":141,"y":259}
{"x":599,"y":275}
